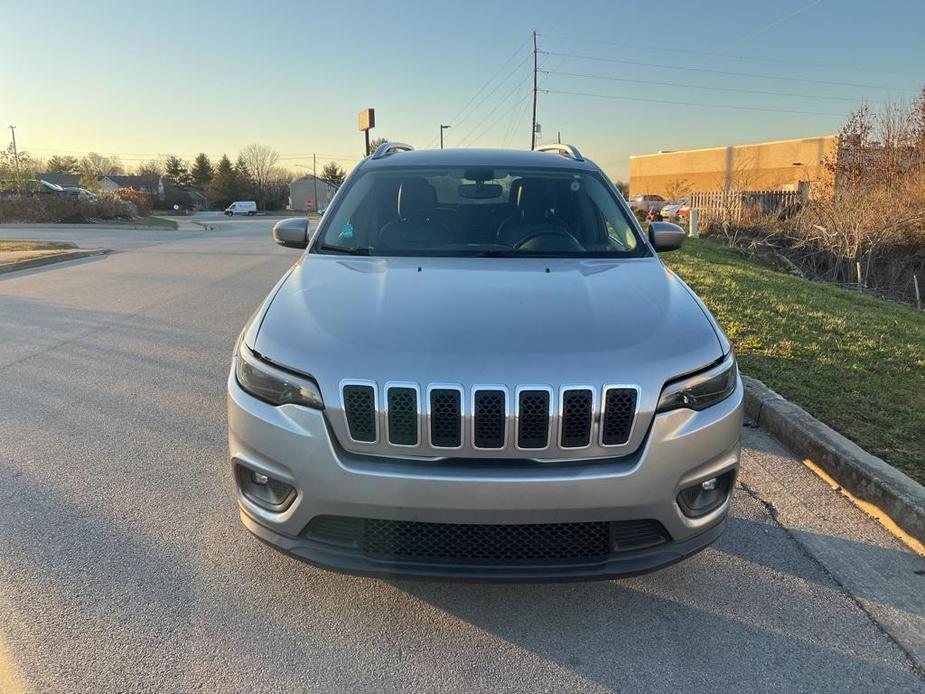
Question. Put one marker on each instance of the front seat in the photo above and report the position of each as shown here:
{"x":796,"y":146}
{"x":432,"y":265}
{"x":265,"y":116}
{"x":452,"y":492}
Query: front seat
{"x":533,"y":199}
{"x":415,"y":227}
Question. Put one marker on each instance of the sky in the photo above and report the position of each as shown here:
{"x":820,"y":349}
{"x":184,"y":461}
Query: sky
{"x":616,"y":78}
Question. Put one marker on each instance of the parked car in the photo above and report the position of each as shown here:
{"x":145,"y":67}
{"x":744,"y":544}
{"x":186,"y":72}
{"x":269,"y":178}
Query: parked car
{"x":80,"y":194}
{"x":248,"y":207}
{"x":647,"y":203}
{"x":673,"y":209}
{"x":475,"y":372}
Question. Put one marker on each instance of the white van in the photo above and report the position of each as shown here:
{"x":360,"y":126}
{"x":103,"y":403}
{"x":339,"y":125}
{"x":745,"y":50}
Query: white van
{"x":248,"y":207}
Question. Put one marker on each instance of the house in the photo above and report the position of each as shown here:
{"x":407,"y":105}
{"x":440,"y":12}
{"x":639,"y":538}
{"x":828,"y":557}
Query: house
{"x":310,"y":193}
{"x":785,"y":165}
{"x":151,"y":185}
{"x":65,"y":180}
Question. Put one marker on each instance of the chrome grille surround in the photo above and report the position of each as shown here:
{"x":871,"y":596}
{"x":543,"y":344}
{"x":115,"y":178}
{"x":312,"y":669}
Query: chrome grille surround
{"x":430,"y":445}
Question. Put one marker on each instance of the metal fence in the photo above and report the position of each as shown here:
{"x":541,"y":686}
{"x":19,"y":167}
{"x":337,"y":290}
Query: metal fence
{"x":737,"y":206}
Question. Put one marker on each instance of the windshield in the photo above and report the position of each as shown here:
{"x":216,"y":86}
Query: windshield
{"x":480,"y":212}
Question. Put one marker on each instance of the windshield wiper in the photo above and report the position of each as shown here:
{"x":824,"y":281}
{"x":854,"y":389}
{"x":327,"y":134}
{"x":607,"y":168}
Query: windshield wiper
{"x":340,"y":249}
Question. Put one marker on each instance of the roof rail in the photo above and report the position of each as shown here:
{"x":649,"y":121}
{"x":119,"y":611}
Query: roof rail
{"x":565,"y":150}
{"x":387,"y":148}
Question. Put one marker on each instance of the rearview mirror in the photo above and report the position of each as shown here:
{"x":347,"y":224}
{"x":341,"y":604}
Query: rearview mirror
{"x":480,"y":191}
{"x":292,"y":232}
{"x":665,"y":236}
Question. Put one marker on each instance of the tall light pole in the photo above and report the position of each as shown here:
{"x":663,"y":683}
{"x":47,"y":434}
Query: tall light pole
{"x":442,"y":128}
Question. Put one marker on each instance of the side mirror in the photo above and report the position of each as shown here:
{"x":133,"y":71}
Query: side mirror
{"x":665,"y":236}
{"x":292,"y":232}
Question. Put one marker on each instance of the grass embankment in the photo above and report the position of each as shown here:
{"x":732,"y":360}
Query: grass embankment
{"x":15,"y":251}
{"x":853,"y":361}
{"x":159,"y":222}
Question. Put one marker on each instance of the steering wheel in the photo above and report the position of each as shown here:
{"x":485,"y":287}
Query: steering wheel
{"x":552,"y":233}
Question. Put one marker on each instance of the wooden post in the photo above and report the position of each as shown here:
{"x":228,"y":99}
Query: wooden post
{"x":918,"y":297}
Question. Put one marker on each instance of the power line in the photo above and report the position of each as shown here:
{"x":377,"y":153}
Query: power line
{"x":703,"y":86}
{"x":725,"y":72}
{"x":488,"y":115}
{"x":453,"y":120}
{"x":780,"y":20}
{"x":716,"y":54}
{"x":493,"y":91}
{"x":690,"y":103}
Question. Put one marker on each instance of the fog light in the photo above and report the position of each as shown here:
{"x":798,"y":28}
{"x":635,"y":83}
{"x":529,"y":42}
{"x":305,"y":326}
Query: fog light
{"x":699,"y":499}
{"x":264,"y":490}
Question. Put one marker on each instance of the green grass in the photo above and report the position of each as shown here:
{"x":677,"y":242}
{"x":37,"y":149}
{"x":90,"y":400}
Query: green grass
{"x":853,"y":361}
{"x":159,"y":222}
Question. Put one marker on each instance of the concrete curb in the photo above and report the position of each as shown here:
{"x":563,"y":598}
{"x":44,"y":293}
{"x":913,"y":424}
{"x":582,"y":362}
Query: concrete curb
{"x":48,"y":260}
{"x":864,"y":475}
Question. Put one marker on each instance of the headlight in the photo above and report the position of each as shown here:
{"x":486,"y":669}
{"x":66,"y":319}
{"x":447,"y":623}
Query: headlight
{"x":701,"y":390}
{"x":273,"y":385}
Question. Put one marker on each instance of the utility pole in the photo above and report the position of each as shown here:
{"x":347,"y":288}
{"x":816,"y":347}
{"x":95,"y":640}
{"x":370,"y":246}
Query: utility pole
{"x":559,"y":136}
{"x":442,"y":128}
{"x":533,"y":124}
{"x":315,"y":178}
{"x":15,"y":156}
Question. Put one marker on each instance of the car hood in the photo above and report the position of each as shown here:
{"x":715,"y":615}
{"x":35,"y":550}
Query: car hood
{"x":509,"y":321}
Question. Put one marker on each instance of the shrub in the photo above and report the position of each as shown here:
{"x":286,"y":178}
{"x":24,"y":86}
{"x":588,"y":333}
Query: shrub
{"x":141,"y":200}
{"x":57,"y":208}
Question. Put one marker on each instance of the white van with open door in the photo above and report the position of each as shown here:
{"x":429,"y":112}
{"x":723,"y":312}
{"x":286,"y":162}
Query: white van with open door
{"x":248,"y":207}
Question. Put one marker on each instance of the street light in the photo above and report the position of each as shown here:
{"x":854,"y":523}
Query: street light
{"x":442,"y":128}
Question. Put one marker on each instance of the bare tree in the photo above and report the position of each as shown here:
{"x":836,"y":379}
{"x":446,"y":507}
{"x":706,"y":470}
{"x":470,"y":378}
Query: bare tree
{"x":261,"y":162}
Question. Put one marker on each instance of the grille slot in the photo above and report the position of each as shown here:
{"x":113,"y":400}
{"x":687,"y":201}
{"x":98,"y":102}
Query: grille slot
{"x":445,"y":418}
{"x":533,"y":419}
{"x":360,"y":409}
{"x":403,"y":416}
{"x":490,"y":415}
{"x":619,"y":413}
{"x":577,"y":406}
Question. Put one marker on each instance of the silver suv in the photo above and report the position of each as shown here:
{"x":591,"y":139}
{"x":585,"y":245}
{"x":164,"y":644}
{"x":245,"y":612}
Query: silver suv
{"x":480,"y":369}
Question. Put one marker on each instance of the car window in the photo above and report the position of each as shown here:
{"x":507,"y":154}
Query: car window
{"x":480,"y":212}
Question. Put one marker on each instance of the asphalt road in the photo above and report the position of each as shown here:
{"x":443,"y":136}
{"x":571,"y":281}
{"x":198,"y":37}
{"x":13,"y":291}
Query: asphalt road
{"x":123,"y":566}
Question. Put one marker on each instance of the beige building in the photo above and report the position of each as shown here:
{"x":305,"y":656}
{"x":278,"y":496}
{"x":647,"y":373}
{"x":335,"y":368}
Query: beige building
{"x":779,"y":165}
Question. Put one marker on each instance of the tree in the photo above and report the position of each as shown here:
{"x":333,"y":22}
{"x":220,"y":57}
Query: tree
{"x":151,"y":168}
{"x":95,"y":166}
{"x":62,"y":164}
{"x":260,"y":161}
{"x":332,"y":174}
{"x":376,"y":142}
{"x":17,"y":168}
{"x":176,"y":171}
{"x":224,"y":186}
{"x":202,"y":171}
{"x":623,"y":187}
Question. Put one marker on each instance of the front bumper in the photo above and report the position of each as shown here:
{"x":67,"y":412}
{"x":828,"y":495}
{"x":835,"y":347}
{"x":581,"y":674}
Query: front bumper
{"x":293,"y":444}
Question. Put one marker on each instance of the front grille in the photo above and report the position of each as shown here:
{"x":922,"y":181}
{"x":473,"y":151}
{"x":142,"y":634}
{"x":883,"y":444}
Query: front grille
{"x":482,"y":421}
{"x":490,"y":419}
{"x":619,"y":412}
{"x":445,"y":418}
{"x":360,"y":408}
{"x":403,"y":416}
{"x":533,"y":419}
{"x":577,"y":411}
{"x":469,"y":543}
